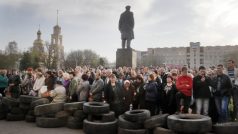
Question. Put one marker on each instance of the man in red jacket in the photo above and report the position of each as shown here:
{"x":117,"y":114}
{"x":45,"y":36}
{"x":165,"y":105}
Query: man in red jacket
{"x":184,"y":86}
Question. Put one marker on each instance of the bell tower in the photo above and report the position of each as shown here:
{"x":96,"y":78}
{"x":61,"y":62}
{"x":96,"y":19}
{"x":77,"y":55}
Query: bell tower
{"x":56,"y":47}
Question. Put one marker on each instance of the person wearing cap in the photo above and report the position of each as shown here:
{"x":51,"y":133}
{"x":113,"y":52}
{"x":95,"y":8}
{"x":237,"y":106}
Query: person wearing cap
{"x":114,"y":95}
{"x":184,"y":85}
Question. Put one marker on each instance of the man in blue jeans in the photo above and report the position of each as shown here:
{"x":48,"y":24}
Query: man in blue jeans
{"x":232,"y":72}
{"x":222,"y":86}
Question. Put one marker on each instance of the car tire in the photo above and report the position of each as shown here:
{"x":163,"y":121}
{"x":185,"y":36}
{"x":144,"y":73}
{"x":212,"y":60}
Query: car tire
{"x":79,"y":115}
{"x":45,"y":122}
{"x":226,"y":128}
{"x":160,"y":130}
{"x":27,"y":99}
{"x":131,"y":131}
{"x":73,"y":106}
{"x":139,"y":115}
{"x":74,"y":123}
{"x":156,"y":121}
{"x":30,"y":118}
{"x":15,"y":117}
{"x":39,"y":102}
{"x":48,"y":108}
{"x":123,"y":123}
{"x":96,"y":108}
{"x":189,"y":123}
{"x":99,"y":127}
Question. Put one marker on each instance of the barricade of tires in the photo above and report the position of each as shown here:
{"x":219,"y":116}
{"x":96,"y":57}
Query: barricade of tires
{"x":46,"y":115}
{"x":132,"y":122}
{"x":16,"y":109}
{"x":100,"y":119}
{"x":75,"y":114}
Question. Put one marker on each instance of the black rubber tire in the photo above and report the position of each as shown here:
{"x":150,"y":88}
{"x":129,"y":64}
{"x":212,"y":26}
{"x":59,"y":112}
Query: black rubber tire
{"x":96,"y":108}
{"x":62,"y":115}
{"x":226,"y":128}
{"x":16,"y":110}
{"x":31,"y":112}
{"x":15,"y":117}
{"x":39,"y":102}
{"x":139,"y":115}
{"x":27,"y":99}
{"x":45,"y":122}
{"x":2,"y":116}
{"x":10,"y":102}
{"x":160,"y":130}
{"x":130,"y":131}
{"x":24,"y":106}
{"x":80,"y":115}
{"x":48,"y":108}
{"x":73,"y":106}
{"x":107,"y":117}
{"x":99,"y":127}
{"x":122,"y":123}
{"x":156,"y":121}
{"x":49,"y":115}
{"x":189,"y":123}
{"x":30,"y":118}
{"x":74,"y":123}
{"x":2,"y":108}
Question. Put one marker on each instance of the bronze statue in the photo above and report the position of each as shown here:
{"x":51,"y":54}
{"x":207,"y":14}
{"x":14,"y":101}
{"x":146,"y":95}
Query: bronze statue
{"x":126,"y":26}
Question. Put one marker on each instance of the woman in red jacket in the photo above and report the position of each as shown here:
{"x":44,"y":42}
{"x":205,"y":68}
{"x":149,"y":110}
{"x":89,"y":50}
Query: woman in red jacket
{"x":184,"y":85}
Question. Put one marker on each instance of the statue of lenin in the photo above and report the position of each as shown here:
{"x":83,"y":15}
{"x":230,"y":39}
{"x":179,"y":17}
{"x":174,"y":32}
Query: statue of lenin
{"x":126,"y":26}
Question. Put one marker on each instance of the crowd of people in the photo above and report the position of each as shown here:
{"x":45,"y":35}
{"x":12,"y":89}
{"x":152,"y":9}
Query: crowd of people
{"x":207,"y":91}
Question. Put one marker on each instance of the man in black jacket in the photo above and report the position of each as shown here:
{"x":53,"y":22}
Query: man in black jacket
{"x":201,"y":91}
{"x":222,"y":85}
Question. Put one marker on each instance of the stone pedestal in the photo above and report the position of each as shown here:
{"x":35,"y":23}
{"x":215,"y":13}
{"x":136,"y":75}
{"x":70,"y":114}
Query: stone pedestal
{"x":126,"y":57}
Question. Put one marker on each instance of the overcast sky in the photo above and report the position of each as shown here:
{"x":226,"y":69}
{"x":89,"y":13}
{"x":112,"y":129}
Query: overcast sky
{"x":93,"y":24}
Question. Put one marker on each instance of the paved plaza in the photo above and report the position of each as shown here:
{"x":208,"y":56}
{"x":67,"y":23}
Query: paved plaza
{"x":22,"y":127}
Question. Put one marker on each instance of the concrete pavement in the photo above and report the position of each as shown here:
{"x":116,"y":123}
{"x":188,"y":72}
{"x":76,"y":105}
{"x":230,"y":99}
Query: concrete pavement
{"x":22,"y":127}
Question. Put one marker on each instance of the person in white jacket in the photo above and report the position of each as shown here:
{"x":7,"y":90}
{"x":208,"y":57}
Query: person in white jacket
{"x":39,"y":83}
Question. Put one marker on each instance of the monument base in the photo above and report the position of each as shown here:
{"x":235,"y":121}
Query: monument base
{"x":126,"y":57}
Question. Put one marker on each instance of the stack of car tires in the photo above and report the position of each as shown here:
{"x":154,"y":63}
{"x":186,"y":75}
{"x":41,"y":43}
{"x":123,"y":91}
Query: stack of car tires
{"x":11,"y":109}
{"x":30,"y":116}
{"x":2,"y":111}
{"x":132,"y":122}
{"x":46,"y":115}
{"x":25,"y":106}
{"x":74,"y":114}
{"x":100,"y":120}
